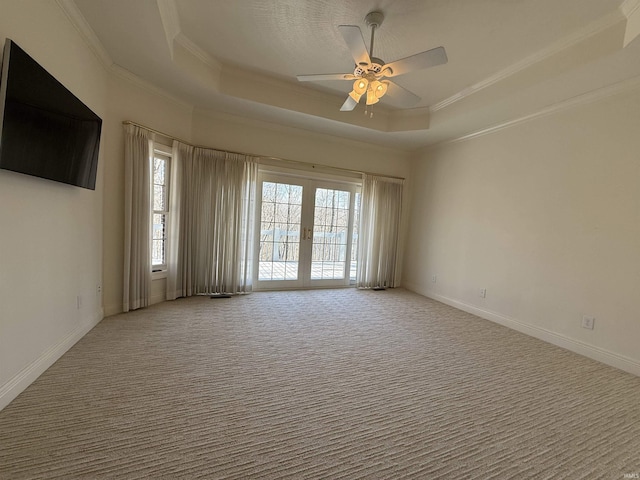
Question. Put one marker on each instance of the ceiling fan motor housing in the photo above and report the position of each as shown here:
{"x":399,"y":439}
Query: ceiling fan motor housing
{"x":373,"y":69}
{"x":374,"y":19}
{"x":376,"y":65}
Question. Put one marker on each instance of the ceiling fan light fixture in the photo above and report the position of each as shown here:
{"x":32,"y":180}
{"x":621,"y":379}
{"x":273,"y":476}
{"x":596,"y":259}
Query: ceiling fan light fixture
{"x":370,"y":73}
{"x":371,"y":97}
{"x":359,"y":88}
{"x":360,"y":85}
{"x":355,"y":95}
{"x":379,"y":88}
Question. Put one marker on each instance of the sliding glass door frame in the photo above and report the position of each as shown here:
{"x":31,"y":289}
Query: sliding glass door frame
{"x":310,"y":236}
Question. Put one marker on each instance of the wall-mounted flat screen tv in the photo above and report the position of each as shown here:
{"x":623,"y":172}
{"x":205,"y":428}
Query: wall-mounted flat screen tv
{"x":45,"y":130}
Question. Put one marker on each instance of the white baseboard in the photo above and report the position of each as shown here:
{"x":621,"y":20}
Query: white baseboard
{"x":595,"y":353}
{"x":31,"y":372}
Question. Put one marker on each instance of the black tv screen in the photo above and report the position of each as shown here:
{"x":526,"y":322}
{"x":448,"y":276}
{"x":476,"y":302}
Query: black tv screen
{"x":45,"y":130}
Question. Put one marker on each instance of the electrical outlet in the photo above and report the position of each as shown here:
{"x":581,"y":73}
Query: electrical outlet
{"x":99,"y":289}
{"x":588,"y":322}
{"x":483,"y":292}
{"x":79,"y":301}
{"x":434,"y":278}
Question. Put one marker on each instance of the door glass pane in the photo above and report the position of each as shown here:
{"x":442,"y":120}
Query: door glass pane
{"x":330,"y":230}
{"x":279,"y":231}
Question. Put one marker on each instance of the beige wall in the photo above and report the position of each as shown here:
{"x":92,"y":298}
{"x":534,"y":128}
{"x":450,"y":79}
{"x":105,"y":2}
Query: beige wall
{"x":141,"y":104}
{"x":544,"y":215}
{"x":228,"y":132}
{"x":51,"y":240}
{"x":137,"y":103}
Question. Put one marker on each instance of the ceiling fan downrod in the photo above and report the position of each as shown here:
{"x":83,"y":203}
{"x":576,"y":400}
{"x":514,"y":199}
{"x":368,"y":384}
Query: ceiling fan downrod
{"x":373,"y":20}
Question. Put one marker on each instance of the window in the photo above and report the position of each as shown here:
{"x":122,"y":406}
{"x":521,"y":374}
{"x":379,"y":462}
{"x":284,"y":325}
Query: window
{"x":160,"y":204}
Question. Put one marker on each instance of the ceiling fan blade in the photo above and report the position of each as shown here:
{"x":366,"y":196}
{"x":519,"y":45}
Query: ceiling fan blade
{"x":327,"y":76}
{"x":348,"y":105}
{"x":430,"y":58}
{"x":353,"y":38}
{"x":401,"y":95}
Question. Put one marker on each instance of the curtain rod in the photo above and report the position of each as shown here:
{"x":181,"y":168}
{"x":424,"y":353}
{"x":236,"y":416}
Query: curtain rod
{"x":128,"y":122}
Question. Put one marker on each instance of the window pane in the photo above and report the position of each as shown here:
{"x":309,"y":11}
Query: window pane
{"x":296,"y":195}
{"x":159,"y":167}
{"x":280,"y":231}
{"x":294,"y":213}
{"x":266,"y":228}
{"x":321,"y":197}
{"x":159,"y":222}
{"x":268,"y":192}
{"x":159,"y":202}
{"x":319,"y":215}
{"x":266,"y":252}
{"x":331,"y":227}
{"x":282,"y":193}
{"x":343,"y":199}
{"x":268,"y":212}
{"x":343,"y":218}
{"x":282,"y":212}
{"x":157,"y":252}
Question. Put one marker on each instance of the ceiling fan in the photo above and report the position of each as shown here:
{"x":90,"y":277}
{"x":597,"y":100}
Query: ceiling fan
{"x":371,"y":74}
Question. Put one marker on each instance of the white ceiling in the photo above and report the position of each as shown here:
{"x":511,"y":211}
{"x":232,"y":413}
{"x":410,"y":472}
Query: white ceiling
{"x":508,"y":59}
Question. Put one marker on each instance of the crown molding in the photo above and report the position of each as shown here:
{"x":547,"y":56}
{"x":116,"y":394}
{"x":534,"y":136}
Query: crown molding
{"x":631,"y":10}
{"x":76,"y":18}
{"x":197,"y":52}
{"x":629,"y":7}
{"x":131,"y":77}
{"x":89,"y":36}
{"x":173,"y":33}
{"x":571,"y":40}
{"x":170,"y":21}
{"x":625,"y":86}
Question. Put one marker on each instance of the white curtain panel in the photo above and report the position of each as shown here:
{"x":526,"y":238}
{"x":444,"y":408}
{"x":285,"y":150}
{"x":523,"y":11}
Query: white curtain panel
{"x":137,"y":227}
{"x":380,"y":210}
{"x":212,"y":231}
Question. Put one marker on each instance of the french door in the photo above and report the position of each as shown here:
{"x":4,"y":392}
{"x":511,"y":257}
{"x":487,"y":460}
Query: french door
{"x":306,"y":232}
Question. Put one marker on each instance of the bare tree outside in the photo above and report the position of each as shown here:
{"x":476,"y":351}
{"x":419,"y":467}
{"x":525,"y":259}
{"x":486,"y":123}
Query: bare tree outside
{"x":280,"y":233}
{"x":280,"y":230}
{"x":331,"y":227}
{"x":160,"y":207}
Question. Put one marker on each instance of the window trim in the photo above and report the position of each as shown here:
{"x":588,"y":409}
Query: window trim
{"x":160,"y":270}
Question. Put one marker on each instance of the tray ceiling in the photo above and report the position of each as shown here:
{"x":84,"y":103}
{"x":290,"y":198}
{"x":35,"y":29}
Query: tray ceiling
{"x":508,"y":60}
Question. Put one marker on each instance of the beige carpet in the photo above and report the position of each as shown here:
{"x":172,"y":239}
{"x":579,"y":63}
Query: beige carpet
{"x":338,"y":384}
